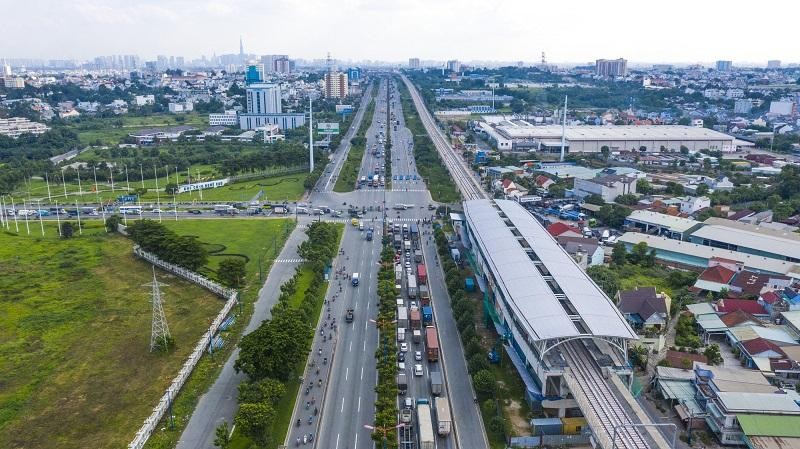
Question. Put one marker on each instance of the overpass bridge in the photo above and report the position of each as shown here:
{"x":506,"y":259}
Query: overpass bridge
{"x":571,"y":336}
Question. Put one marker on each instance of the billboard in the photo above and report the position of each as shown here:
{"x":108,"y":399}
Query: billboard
{"x":344,"y":108}
{"x":328,"y":128}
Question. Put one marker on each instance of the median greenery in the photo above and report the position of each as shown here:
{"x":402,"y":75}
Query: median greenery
{"x":348,"y":175}
{"x":273,"y":355}
{"x":429,"y":164}
{"x":385,"y":354}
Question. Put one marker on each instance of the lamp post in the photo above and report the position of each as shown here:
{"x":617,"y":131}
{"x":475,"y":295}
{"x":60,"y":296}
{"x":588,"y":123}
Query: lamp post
{"x":383,"y":430}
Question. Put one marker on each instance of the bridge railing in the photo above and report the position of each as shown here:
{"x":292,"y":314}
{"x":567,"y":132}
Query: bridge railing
{"x":230,"y":295}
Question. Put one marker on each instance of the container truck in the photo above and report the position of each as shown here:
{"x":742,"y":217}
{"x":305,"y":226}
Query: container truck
{"x":402,"y":383}
{"x":415,"y":318}
{"x":412,"y":286}
{"x":443,"y":419}
{"x":425,"y":425}
{"x":436,"y":383}
{"x":354,"y":280}
{"x":418,"y":256}
{"x":398,"y":273}
{"x":431,"y":344}
{"x":407,"y":245}
{"x":427,"y":315}
{"x":414,"y":230}
{"x":401,"y":334}
{"x":402,"y":317}
{"x":424,"y":295}
{"x":422,"y":274}
{"x":417,"y":336}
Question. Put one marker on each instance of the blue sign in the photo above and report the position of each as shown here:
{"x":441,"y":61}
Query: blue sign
{"x":127,"y":198}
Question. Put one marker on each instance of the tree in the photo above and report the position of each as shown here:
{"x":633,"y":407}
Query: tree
{"x":255,"y":421}
{"x":643,"y":186}
{"x":266,"y":390}
{"x":702,"y":189}
{"x":274,"y":347}
{"x":619,"y":255}
{"x":557,"y":190}
{"x":638,"y":254}
{"x":171,"y":188}
{"x":594,"y":199}
{"x":231,"y":272}
{"x":67,"y":230}
{"x":606,"y":278}
{"x":605,"y":151}
{"x":112,"y":222}
{"x":712,"y":354}
{"x":627,"y":199}
{"x":684,"y":150}
{"x":484,"y":382}
{"x":222,"y":436}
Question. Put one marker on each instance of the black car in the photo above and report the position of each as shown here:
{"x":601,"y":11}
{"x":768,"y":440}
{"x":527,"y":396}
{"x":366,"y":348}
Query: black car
{"x":401,"y":356}
{"x":195,"y":211}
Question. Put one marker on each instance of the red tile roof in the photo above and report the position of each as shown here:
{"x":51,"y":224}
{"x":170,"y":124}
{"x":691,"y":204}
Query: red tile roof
{"x":675,"y":358}
{"x":770,"y":297}
{"x":558,"y":228}
{"x":733,"y":319}
{"x":745,"y":305}
{"x":718,"y":274}
{"x":759,"y":345}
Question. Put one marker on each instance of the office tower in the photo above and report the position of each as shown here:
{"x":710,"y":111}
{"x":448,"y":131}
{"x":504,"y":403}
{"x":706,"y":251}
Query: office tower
{"x":454,"y":66}
{"x":611,"y":67}
{"x":413,"y":63}
{"x":774,"y":64}
{"x":263,"y":98}
{"x":336,"y":85}
{"x":724,"y":66}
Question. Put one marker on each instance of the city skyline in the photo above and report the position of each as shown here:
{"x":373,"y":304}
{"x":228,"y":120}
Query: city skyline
{"x":370,"y":30}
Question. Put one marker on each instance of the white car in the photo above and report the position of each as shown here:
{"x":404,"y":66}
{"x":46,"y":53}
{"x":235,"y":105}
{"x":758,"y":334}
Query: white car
{"x":418,"y":370}
{"x":418,"y":356}
{"x":404,"y":347}
{"x":408,"y":264}
{"x":401,"y":366}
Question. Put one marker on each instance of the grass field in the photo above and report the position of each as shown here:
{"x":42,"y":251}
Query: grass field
{"x":278,"y":188}
{"x":109,"y":133}
{"x":74,"y":339}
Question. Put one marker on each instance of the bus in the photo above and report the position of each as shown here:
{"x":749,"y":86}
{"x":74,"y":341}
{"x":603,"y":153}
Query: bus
{"x":130,"y":210}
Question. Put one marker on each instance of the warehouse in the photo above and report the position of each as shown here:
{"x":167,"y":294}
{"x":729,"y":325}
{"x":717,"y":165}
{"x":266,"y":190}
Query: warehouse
{"x":590,"y":139}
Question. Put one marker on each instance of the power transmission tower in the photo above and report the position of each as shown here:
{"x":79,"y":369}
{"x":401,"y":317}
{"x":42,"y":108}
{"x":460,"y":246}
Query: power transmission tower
{"x":160,"y":331}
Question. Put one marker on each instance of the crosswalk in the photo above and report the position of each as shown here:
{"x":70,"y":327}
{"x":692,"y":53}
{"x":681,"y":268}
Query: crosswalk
{"x":297,"y":260}
{"x":400,"y":189}
{"x":368,"y":220}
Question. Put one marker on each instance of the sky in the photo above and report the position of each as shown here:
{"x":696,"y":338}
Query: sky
{"x":577,"y":31}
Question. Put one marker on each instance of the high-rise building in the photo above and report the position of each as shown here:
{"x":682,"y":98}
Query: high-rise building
{"x":263,"y":98}
{"x":724,"y":66}
{"x":283,"y":65}
{"x":453,"y":65}
{"x":336,"y":85}
{"x":611,"y":67}
{"x":742,"y":106}
{"x":353,"y":74}
{"x":413,"y":63}
{"x":774,"y":64}
{"x":276,"y":63}
{"x":254,"y":73}
{"x":6,"y":69}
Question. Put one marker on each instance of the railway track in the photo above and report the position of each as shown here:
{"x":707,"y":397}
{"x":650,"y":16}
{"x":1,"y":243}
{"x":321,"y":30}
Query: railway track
{"x":606,"y":406}
{"x":469,"y":187}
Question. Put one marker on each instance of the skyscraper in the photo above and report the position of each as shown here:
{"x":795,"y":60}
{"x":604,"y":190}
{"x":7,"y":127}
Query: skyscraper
{"x":453,"y":65}
{"x":774,"y":64}
{"x":413,"y":63}
{"x":724,"y":66}
{"x":611,"y":67}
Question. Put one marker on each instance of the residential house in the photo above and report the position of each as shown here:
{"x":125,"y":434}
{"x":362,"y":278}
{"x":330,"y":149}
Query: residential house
{"x":543,"y":182}
{"x":587,"y":252}
{"x":692,"y":204}
{"x":607,"y":187}
{"x":644,"y":308}
{"x":559,"y":229}
{"x":714,"y":279}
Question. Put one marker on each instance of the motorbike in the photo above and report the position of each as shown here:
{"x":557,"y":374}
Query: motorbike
{"x":298,"y":422}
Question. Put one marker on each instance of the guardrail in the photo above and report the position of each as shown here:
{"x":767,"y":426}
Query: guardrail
{"x":165,"y":403}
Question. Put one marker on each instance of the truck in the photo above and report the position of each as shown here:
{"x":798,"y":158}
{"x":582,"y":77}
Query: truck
{"x":424,"y":294}
{"x":401,"y":334}
{"x":416,"y":336}
{"x":375,"y":180}
{"x":405,"y":229}
{"x":398,"y":241}
{"x":407,"y":245}
{"x":437,"y":383}
{"x":427,"y":315}
{"x":414,"y":230}
{"x":422,"y":274}
{"x":406,"y":414}
{"x":349,"y":316}
{"x":369,"y":235}
{"x":414,"y":317}
{"x":354,"y":279}
{"x":425,"y":425}
{"x":402,"y":317}
{"x":224,"y":209}
{"x":418,"y":256}
{"x":402,"y":383}
{"x":443,"y":419}
{"x":412,"y":286}
{"x":431,"y":344}
{"x":398,"y":273}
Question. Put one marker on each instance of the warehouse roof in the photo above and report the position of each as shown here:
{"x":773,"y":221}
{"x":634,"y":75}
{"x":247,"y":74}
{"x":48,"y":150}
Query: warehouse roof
{"x":677,"y":224}
{"x":759,"y":263}
{"x":770,"y":425}
{"x":613,"y":132}
{"x":511,"y":254}
{"x":750,"y":236}
{"x":783,"y":403}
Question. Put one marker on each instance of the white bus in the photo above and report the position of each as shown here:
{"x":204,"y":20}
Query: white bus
{"x":130,"y":210}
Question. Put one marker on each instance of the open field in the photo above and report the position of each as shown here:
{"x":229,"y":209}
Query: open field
{"x":278,"y":188}
{"x":74,"y":339}
{"x":108,"y":132}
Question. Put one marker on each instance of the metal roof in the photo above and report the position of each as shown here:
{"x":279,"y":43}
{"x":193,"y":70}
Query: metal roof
{"x":750,"y":236}
{"x":770,"y":425}
{"x":759,"y":263}
{"x":677,"y":224}
{"x":526,"y":290}
{"x":612,"y":133}
{"x":766,"y":403}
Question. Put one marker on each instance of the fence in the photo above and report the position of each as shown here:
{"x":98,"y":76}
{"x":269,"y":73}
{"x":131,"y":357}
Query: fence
{"x":273,"y":172}
{"x":165,"y":403}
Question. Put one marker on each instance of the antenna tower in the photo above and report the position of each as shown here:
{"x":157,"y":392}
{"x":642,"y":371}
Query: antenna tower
{"x":329,"y":63}
{"x":160,"y":331}
{"x":544,"y":61}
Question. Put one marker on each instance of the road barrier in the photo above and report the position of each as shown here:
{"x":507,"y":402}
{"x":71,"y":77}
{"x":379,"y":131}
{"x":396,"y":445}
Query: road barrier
{"x":165,"y":403}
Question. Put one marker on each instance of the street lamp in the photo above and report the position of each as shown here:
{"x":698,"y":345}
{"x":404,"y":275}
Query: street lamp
{"x":383,"y":430}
